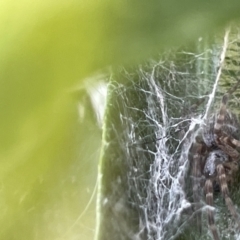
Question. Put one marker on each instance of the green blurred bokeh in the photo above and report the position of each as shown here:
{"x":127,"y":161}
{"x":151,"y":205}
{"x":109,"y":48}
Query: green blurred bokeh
{"x":48,"y":156}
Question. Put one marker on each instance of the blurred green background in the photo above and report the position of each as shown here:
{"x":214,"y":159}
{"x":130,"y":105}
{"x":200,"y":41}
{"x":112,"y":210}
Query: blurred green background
{"x":49,"y":155}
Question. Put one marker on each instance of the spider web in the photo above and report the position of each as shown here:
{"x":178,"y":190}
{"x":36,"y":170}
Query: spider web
{"x":155,"y":112}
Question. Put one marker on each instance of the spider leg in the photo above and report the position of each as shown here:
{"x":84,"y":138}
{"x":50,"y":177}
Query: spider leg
{"x":223,"y":109}
{"x":221,"y":116}
{"x":225,"y":192}
{"x":224,"y":144}
{"x":198,"y":149}
{"x":210,"y":211}
{"x":229,"y":140}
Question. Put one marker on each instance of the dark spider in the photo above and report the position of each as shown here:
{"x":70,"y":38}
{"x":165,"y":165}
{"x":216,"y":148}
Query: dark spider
{"x":215,"y":160}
